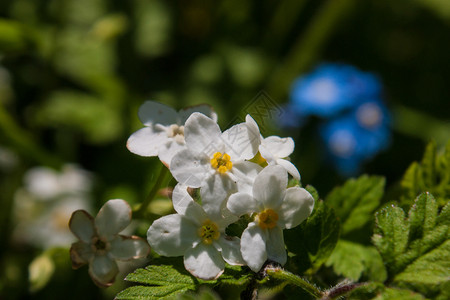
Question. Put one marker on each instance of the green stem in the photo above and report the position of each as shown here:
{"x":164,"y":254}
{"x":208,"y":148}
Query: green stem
{"x":281,"y":274}
{"x":307,"y":46}
{"x":23,"y":143}
{"x":143,"y":208}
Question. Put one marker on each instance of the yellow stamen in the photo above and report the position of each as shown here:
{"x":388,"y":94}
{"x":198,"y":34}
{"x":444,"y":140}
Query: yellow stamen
{"x":221,"y":162}
{"x":209,"y":232}
{"x":267,"y":219}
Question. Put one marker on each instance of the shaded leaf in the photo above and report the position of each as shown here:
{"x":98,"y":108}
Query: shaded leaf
{"x":355,"y":201}
{"x":314,"y":240}
{"x":352,"y":260}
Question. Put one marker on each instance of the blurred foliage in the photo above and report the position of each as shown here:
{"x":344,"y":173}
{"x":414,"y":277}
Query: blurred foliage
{"x":74,"y":72}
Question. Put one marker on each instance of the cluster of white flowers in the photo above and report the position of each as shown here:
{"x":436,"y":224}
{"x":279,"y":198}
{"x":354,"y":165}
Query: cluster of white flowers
{"x":238,"y":172}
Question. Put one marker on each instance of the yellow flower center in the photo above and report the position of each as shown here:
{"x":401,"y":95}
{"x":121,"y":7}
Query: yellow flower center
{"x":209,"y":232}
{"x":221,"y":162}
{"x":267,"y":219}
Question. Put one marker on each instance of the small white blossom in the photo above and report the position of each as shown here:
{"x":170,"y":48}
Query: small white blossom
{"x":42,"y":208}
{"x":198,"y":234}
{"x":163,"y":134}
{"x":273,"y":149}
{"x":274,"y":208}
{"x":215,"y":161}
{"x":101,"y":244}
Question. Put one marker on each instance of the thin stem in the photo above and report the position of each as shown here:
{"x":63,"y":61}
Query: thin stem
{"x":143,"y":208}
{"x":281,"y":274}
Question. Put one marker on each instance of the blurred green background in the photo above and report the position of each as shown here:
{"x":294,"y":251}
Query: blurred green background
{"x":73,"y":74}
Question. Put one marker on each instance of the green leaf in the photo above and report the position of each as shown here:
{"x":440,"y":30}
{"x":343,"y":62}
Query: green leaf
{"x":355,"y":202}
{"x":314,"y":240}
{"x":416,"y":250}
{"x":352,"y":260}
{"x":432,"y":175}
{"x":380,"y":292}
{"x":391,"y":235}
{"x":171,"y":279}
{"x":160,"y":282}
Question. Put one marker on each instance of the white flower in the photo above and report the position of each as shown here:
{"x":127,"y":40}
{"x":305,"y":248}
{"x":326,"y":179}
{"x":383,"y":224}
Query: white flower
{"x":273,"y":149}
{"x":48,"y":184}
{"x":101,"y":245}
{"x":42,"y":208}
{"x":196,"y":233}
{"x":214,"y":161}
{"x":274,"y":208}
{"x":163,"y":135}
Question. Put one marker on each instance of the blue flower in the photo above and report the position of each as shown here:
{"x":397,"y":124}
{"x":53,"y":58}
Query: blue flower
{"x":356,"y":136}
{"x":331,"y":89}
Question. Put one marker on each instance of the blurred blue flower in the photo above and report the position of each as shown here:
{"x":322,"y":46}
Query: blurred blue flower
{"x":357,"y":136}
{"x":332,"y":88}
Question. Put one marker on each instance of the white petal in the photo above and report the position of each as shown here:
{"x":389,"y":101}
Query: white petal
{"x":246,"y":172}
{"x":215,"y":190}
{"x":231,"y":250}
{"x":80,"y":254}
{"x":202,"y":108}
{"x":224,"y":218}
{"x":186,"y":206}
{"x":240,"y":142}
{"x":171,"y":235}
{"x":242,"y":203}
{"x":126,"y":248}
{"x":289,"y":167}
{"x":204,"y":261}
{"x":43,"y":182}
{"x":266,"y":154}
{"x":190,"y":168}
{"x":152,"y":112}
{"x":279,"y":147}
{"x":253,"y":127}
{"x":113,"y":217}
{"x":270,"y":186}
{"x":103,"y":270}
{"x":169,"y":149}
{"x":297,"y":206}
{"x":201,"y":134}
{"x":146,"y":141}
{"x":276,"y":250}
{"x":82,"y":225}
{"x":253,"y":246}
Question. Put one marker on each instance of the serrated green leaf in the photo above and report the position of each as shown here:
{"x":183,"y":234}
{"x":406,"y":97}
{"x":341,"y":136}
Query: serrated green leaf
{"x":352,"y":260}
{"x":422,"y":216}
{"x":391,"y":234}
{"x":429,"y":270}
{"x":153,"y":292}
{"x":416,"y":250}
{"x":160,"y":275}
{"x":444,"y":216}
{"x":161,"y":282}
{"x":379,"y":292}
{"x":432,"y":175}
{"x":314,"y":240}
{"x":355,"y":201}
